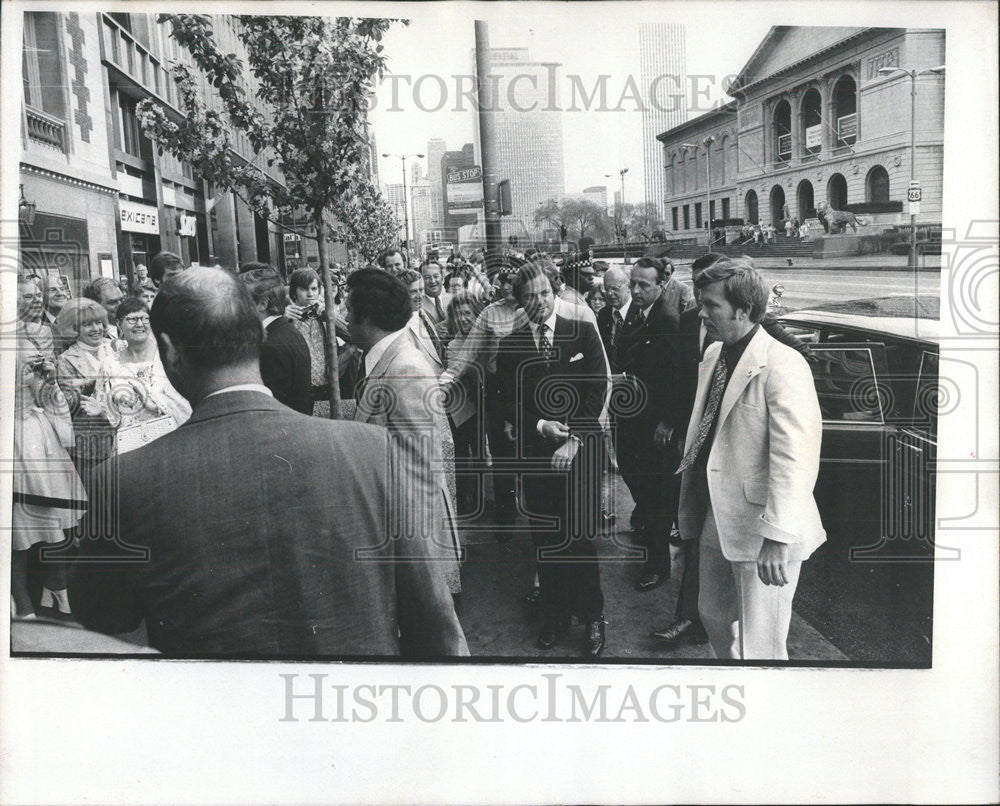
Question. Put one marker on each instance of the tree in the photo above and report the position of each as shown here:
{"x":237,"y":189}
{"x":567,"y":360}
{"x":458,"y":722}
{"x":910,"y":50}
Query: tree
{"x":313,"y":75}
{"x":642,"y":220}
{"x":552,"y":213}
{"x":581,"y":217}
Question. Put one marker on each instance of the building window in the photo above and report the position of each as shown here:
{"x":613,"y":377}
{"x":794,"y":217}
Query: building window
{"x":725,"y":208}
{"x":673,"y":213}
{"x":711,"y":212}
{"x":133,"y":141}
{"x":782,"y":128}
{"x":44,"y":86}
{"x":697,"y":215}
{"x":687,"y":216}
{"x":877,"y":185}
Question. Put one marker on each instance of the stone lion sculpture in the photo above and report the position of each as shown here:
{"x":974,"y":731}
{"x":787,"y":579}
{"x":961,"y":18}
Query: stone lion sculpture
{"x":837,"y":221}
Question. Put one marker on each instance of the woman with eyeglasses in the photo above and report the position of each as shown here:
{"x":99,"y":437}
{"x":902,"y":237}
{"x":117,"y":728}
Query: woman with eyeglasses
{"x":134,"y":385}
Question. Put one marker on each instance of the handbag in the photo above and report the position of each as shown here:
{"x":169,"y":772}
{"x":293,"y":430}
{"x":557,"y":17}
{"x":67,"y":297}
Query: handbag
{"x":135,"y":436}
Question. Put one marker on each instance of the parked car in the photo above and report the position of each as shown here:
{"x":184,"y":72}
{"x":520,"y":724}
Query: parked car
{"x":875,"y":363}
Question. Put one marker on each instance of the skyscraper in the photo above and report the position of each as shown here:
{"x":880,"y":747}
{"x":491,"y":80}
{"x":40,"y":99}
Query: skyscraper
{"x":663,"y":75}
{"x":529,"y":130}
{"x":435,"y":151}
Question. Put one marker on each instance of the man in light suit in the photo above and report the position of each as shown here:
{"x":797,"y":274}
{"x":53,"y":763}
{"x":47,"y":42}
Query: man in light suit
{"x":750,"y":463}
{"x":424,"y":333}
{"x":245,"y":532}
{"x":400,"y":392}
{"x":553,"y":384}
{"x":435,"y":300}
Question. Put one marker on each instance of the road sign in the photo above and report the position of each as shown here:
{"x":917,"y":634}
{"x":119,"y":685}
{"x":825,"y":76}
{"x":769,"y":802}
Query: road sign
{"x":464,"y":189}
{"x":914,"y":194}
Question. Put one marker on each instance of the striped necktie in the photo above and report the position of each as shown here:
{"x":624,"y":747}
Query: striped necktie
{"x":617,"y":324}
{"x":544,"y":344}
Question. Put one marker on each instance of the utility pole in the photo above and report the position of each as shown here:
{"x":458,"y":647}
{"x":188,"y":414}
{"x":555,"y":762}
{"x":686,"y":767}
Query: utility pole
{"x":487,"y":111}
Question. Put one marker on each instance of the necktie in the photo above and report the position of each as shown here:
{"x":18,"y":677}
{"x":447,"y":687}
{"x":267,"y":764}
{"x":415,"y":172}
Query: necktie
{"x":544,"y":345}
{"x":438,"y":308}
{"x":708,"y":418}
{"x":432,"y":335}
{"x":617,"y":323}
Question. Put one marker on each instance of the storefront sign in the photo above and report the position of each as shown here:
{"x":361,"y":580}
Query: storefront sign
{"x":187,"y":225}
{"x":138,"y":217}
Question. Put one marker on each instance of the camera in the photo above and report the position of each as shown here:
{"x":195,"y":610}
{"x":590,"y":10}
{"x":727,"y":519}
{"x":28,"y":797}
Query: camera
{"x":311,"y":311}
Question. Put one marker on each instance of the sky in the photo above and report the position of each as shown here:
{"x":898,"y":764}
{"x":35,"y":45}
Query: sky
{"x":592,"y":40}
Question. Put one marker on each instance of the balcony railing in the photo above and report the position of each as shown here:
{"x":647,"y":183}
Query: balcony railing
{"x":46,"y":129}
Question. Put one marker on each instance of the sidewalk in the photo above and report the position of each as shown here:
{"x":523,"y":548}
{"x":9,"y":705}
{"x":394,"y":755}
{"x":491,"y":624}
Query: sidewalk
{"x":762,"y":260}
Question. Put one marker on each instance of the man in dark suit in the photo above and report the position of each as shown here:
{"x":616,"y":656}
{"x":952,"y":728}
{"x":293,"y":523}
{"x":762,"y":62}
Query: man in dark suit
{"x":552,"y":379}
{"x":285,"y":364}
{"x":253,"y":530}
{"x":649,"y":429}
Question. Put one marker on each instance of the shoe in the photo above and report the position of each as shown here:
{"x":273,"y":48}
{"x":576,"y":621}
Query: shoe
{"x":651,"y":579}
{"x":593,"y":643}
{"x":58,"y":601}
{"x":551,"y":632}
{"x":675,"y":537}
{"x":682,"y":631}
{"x":636,"y":521}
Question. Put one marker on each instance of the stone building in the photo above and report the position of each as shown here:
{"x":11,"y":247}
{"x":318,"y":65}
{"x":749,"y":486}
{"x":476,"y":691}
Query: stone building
{"x":817,"y":115}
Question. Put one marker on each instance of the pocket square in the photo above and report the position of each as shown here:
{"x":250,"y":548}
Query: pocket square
{"x":576,"y":357}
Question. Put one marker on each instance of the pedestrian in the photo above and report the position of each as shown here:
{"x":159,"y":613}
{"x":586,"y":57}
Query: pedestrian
{"x":750,"y":464}
{"x":558,"y":445}
{"x":250,"y":551}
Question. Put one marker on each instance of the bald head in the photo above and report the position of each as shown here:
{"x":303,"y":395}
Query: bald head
{"x":209,"y":316}
{"x":616,"y":287}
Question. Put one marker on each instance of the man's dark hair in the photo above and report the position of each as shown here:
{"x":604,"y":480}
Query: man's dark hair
{"x":163,"y":262}
{"x":388,"y":253}
{"x":744,"y":288}
{"x":653,"y":263}
{"x":527,"y":273}
{"x":379,"y":298}
{"x":265,"y":285}
{"x":210,"y":315}
{"x":130,"y":305}
{"x":303,"y":278}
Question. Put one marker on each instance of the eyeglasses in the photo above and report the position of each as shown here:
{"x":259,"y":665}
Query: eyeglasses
{"x":135,"y":319}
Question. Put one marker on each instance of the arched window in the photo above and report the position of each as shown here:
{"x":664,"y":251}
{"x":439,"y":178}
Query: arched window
{"x":811,"y":135}
{"x":807,"y":209}
{"x":836,"y":192}
{"x":877,"y":185}
{"x":750,"y":206}
{"x":782,"y":128}
{"x":777,"y":205}
{"x":845,"y":110}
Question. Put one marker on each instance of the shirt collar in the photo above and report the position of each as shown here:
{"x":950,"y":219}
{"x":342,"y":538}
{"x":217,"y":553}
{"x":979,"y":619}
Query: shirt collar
{"x":378,"y":349}
{"x":550,"y":323}
{"x":624,"y":309}
{"x":243,"y":387}
{"x":268,"y":321}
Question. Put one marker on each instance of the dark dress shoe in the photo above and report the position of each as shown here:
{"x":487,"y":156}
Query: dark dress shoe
{"x":683,"y":631}
{"x":636,"y":521}
{"x":651,"y":579}
{"x":593,"y":642}
{"x":552,"y":631}
{"x":675,"y":537}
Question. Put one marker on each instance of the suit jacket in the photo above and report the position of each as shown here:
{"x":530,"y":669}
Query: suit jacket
{"x":677,"y":298}
{"x":285,"y":365}
{"x":571,"y":388}
{"x":401,"y":393}
{"x":250,"y":518}
{"x":650,"y":363}
{"x":764,"y":458}
{"x":431,"y":310}
{"x":604,"y":323}
{"x":427,"y":338}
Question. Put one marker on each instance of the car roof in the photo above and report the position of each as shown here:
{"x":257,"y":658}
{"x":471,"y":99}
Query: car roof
{"x":901,"y":316}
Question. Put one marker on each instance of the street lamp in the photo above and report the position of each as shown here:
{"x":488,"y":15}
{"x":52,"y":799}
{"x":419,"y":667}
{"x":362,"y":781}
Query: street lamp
{"x":621,"y":175}
{"x":406,"y":212}
{"x":707,"y":142}
{"x":913,"y":142}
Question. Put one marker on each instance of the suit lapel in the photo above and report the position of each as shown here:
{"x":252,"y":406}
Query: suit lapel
{"x":366,"y":409}
{"x":705,"y":370}
{"x":750,"y":364}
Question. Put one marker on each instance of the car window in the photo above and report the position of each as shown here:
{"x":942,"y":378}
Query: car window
{"x":848,"y":382}
{"x":927,"y":398}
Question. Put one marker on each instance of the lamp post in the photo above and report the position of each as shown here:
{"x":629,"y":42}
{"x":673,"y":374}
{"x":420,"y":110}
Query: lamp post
{"x":913,"y":142}
{"x":621,"y":224}
{"x":707,"y":143}
{"x":406,"y":212}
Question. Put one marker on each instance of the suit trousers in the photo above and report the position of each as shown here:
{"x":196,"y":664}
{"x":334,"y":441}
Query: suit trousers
{"x":687,"y":596}
{"x":500,"y":448}
{"x":744,"y":618}
{"x":566,"y":551}
{"x":648,"y":472}
{"x":470,"y":453}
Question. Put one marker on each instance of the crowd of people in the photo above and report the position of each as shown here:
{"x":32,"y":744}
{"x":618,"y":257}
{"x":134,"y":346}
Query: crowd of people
{"x":245,"y":522}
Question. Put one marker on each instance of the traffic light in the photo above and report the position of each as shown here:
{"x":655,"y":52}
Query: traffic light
{"x":503,"y":192}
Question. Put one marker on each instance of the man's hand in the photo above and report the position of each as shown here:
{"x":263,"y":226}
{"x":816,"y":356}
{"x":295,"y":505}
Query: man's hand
{"x":661,"y":439}
{"x":562,"y":459}
{"x":553,"y":431}
{"x":772,"y":563}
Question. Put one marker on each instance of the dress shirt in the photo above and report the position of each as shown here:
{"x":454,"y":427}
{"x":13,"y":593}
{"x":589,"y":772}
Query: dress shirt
{"x":623,"y":310}
{"x":550,"y":323}
{"x":267,"y":321}
{"x":243,"y":387}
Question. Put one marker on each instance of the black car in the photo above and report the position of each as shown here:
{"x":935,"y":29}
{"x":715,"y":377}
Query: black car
{"x":875,"y":362}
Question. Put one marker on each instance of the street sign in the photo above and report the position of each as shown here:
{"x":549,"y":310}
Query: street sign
{"x":914,"y":194}
{"x":464,"y":189}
